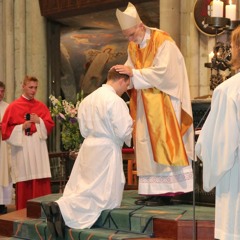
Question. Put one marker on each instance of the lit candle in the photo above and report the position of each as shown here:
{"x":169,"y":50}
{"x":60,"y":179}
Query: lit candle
{"x":217,"y":8}
{"x":231,"y":11}
{"x":210,"y":56}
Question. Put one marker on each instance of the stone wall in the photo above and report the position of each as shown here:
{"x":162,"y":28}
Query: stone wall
{"x":22,"y":46}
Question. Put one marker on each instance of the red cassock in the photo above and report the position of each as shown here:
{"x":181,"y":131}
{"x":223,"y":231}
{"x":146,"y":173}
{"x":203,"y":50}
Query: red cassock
{"x":15,"y":114}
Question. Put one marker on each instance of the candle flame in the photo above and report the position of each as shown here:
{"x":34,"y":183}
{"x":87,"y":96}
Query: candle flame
{"x":230,"y":2}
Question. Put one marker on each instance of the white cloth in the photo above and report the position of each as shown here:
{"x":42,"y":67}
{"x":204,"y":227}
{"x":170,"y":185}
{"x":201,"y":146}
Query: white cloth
{"x":30,"y":158}
{"x":97,"y":178}
{"x":168,"y":74}
{"x":218,"y":148}
{"x":5,"y":165}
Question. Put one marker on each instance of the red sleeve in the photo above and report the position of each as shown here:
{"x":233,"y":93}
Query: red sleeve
{"x":7,"y":123}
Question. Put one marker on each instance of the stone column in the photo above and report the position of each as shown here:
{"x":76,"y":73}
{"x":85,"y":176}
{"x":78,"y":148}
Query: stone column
{"x":36,"y":47}
{"x":7,"y":48}
{"x":22,"y":46}
{"x":189,"y":46}
{"x":170,"y":18}
{"x":177,"y":18}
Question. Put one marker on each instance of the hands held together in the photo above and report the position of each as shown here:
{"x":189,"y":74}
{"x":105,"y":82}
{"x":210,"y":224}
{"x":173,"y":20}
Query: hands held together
{"x":33,"y":119}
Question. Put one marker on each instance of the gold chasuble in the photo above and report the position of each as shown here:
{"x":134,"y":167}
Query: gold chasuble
{"x":164,"y":130}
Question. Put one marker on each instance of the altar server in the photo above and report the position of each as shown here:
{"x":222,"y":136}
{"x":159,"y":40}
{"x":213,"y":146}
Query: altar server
{"x":25,"y":126}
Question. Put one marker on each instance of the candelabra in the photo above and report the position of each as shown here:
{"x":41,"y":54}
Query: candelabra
{"x":220,"y":63}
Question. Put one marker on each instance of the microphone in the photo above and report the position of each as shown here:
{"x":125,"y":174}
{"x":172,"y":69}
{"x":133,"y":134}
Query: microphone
{"x":27,"y":130}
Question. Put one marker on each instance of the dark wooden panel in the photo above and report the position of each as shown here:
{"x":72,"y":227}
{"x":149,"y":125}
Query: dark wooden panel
{"x":183,"y":230}
{"x":54,"y":9}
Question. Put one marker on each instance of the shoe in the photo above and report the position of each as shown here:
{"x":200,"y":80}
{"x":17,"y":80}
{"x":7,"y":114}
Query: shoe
{"x":58,"y":220}
{"x":50,"y":219}
{"x":158,"y":201}
{"x":3,"y":209}
{"x":142,"y":201}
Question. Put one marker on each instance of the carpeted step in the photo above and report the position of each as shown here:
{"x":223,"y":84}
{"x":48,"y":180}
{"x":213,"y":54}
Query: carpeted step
{"x":127,"y":222}
{"x":127,"y":218}
{"x":6,"y":221}
{"x":30,"y":229}
{"x":103,"y":234}
{"x":37,"y":229}
{"x":130,"y":217}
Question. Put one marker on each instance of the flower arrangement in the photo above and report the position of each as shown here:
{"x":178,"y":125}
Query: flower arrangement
{"x":66,"y":113}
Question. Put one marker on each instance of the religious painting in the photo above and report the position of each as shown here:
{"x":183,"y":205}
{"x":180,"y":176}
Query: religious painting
{"x":92,"y":44}
{"x":86,"y":57}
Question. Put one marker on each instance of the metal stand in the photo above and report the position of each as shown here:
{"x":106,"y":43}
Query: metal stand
{"x":222,"y":51}
{"x":194,"y":174}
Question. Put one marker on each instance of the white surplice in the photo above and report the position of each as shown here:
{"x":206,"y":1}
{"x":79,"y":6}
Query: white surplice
{"x":97,"y":178}
{"x":5,"y":165}
{"x":168,"y":74}
{"x":30,"y":158}
{"x":218,"y":148}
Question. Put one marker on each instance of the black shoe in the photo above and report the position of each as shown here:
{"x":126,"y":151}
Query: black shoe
{"x":3,"y":209}
{"x":58,"y":220}
{"x":142,"y":201}
{"x":159,"y":201}
{"x":50,"y":219}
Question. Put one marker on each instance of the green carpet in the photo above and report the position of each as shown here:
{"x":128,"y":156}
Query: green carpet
{"x":128,"y":221}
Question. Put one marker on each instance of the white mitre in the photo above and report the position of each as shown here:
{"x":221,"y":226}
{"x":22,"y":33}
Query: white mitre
{"x":129,"y":18}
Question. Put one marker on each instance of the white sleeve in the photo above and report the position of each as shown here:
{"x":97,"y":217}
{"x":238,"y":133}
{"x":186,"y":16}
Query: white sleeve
{"x":16,"y":137}
{"x":218,"y":141}
{"x":41,"y":130}
{"x":121,"y":122}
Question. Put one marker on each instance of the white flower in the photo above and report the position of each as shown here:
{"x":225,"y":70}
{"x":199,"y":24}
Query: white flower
{"x":54,"y":100}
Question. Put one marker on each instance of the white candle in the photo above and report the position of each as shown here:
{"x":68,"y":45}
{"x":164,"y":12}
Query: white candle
{"x":231,"y":11}
{"x":217,"y":8}
{"x":210,"y":56}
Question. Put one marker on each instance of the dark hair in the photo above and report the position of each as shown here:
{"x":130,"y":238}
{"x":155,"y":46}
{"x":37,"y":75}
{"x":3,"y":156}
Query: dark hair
{"x":114,"y":75}
{"x":2,"y":85}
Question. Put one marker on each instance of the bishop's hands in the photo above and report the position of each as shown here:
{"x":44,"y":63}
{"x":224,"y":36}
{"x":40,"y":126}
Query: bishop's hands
{"x":123,"y":69}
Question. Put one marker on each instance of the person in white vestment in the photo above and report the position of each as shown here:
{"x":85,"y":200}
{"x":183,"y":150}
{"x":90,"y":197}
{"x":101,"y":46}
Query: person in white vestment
{"x":97,"y":179}
{"x":218,"y":147}
{"x":5,"y":161}
{"x":160,"y":104}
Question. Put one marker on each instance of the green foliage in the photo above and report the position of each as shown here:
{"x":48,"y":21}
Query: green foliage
{"x":66,"y":114}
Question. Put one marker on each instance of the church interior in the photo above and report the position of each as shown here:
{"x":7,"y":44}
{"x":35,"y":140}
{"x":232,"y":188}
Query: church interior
{"x":70,"y":46}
